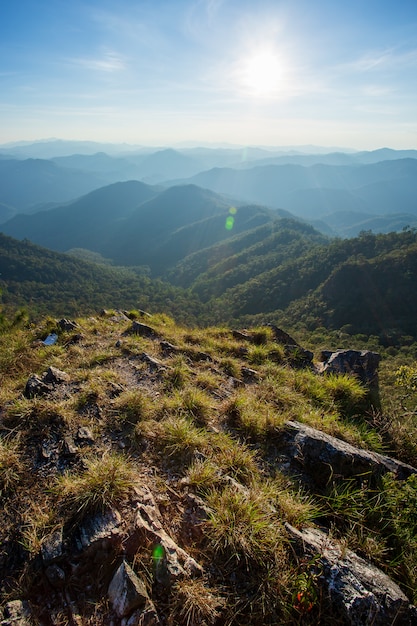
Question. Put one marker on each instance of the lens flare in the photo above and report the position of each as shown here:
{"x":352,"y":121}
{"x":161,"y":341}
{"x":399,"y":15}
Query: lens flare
{"x":230,"y":220}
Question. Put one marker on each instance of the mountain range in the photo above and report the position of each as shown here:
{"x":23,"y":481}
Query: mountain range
{"x":220,"y":245}
{"x":340,"y":193}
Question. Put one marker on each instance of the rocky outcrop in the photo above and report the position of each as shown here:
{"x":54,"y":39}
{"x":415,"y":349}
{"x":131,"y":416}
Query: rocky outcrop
{"x":360,"y":593}
{"x":36,"y":386}
{"x":363,"y":364}
{"x":321,"y":457}
{"x":137,"y":328}
{"x":126,"y":591}
{"x":170,"y":561}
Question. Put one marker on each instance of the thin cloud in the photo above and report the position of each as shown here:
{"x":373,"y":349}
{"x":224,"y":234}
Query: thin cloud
{"x":384,"y":59}
{"x":107,"y":62}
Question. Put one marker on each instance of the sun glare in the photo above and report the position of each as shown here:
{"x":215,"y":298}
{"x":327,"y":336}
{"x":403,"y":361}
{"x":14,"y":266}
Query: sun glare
{"x":261,"y":74}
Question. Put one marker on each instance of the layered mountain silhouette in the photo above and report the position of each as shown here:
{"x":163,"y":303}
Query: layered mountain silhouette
{"x":314,"y":191}
{"x":314,"y":186}
{"x":137,"y":224}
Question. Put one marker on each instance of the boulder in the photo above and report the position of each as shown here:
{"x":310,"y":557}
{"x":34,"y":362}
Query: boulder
{"x":137,"y":328}
{"x":52,"y":547}
{"x":67,"y":325}
{"x":321,"y":456}
{"x":362,"y":364}
{"x":298,"y":356}
{"x":280,"y":336}
{"x":35,"y":386}
{"x":55,"y":376}
{"x":360,"y":593}
{"x":126,"y":591}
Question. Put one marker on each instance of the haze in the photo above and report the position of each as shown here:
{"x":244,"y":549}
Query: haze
{"x":166,"y":72}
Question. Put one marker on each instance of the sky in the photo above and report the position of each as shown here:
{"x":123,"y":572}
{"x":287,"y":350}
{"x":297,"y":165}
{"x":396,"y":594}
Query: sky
{"x":244,"y":72}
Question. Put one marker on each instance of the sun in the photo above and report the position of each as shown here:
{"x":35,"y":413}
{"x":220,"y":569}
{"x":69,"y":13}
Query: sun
{"x":261,"y":73}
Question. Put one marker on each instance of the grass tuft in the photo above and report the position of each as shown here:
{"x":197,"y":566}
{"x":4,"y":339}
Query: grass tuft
{"x":11,"y":466}
{"x":242,"y":527}
{"x":105,"y":482}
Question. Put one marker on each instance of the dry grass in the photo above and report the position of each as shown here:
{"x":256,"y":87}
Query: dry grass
{"x":106,"y":481}
{"x":194,"y":603}
{"x":11,"y":466}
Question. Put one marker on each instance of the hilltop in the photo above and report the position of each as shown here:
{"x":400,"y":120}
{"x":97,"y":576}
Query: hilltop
{"x":152,"y":473}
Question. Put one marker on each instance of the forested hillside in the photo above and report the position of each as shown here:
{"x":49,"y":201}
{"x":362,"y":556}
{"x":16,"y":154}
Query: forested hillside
{"x":280,"y":271}
{"x":42,"y":281}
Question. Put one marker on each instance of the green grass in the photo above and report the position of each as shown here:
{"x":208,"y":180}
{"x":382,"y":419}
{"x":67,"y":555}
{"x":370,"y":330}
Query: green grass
{"x":106,"y":481}
{"x":242,"y":527}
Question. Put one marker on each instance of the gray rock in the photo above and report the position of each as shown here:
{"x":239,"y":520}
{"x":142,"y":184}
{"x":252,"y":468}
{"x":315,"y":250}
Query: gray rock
{"x":55,"y":376}
{"x":67,"y":325}
{"x":169,"y":348}
{"x":55,"y":575}
{"x":323,"y":456}
{"x":170,"y":561}
{"x":69,"y":447}
{"x":143,"y":330}
{"x":360,"y":592}
{"x":249,"y":375}
{"x":280,"y":336}
{"x":146,"y":617}
{"x":126,"y":591}
{"x":298,"y":356}
{"x":153,"y":364}
{"x":84,"y":435}
{"x":35,"y":387}
{"x":98,"y":528}
{"x":362,"y":364}
{"x":242,"y":335}
{"x":52,"y":547}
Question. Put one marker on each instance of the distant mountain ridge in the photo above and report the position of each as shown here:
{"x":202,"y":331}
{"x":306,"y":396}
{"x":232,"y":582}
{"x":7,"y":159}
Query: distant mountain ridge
{"x":137,"y":224}
{"x":309,"y":185}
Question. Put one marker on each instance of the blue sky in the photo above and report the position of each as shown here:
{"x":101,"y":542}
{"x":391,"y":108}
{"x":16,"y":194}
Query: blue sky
{"x":162,"y":72}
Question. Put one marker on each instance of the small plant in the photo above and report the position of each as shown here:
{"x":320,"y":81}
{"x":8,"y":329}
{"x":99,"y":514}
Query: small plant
{"x":258,"y":354}
{"x":253,"y":417}
{"x":347,"y":393}
{"x":38,"y":522}
{"x":230,"y":367}
{"x":197,"y":404}
{"x":406,"y":379}
{"x":261,"y":336}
